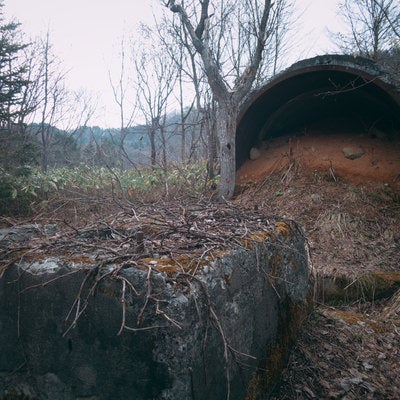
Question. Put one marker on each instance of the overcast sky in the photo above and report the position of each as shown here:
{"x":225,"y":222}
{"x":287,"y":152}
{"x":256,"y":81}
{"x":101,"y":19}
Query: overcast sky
{"x":86,"y":33}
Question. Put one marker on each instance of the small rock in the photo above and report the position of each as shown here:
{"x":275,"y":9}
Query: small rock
{"x":367,"y":365}
{"x":352,"y":153}
{"x":50,"y":229}
{"x":315,"y":197}
{"x":46,"y":266}
{"x":356,"y":380}
{"x":17,"y":234}
{"x":345,"y":384}
{"x":254,"y":153}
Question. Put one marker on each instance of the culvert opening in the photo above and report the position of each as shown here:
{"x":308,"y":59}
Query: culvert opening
{"x":325,"y":96}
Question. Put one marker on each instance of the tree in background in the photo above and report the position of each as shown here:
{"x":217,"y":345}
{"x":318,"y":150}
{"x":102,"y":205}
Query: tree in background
{"x":390,"y":58}
{"x":199,"y":118}
{"x":183,"y":57}
{"x":230,"y":37}
{"x":392,"y":15}
{"x":32,"y":88}
{"x":155,"y":83}
{"x":16,"y":148}
{"x":127,"y":107}
{"x":17,"y":151}
{"x":278,"y":43}
{"x":52,"y":97}
{"x":371,"y":27}
{"x":57,"y":108}
{"x":13,"y":69}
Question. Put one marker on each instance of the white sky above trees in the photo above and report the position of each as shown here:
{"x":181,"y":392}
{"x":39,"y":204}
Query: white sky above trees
{"x":86,"y":36}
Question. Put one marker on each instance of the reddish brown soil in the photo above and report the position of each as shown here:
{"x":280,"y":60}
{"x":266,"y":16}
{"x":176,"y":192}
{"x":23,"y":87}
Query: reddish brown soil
{"x":323,"y":152}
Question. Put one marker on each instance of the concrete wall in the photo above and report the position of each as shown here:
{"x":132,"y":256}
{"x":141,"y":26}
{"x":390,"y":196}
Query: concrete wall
{"x":221,"y":334}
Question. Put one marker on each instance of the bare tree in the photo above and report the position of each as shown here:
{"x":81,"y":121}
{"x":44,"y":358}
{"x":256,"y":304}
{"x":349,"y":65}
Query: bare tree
{"x":192,"y":88}
{"x":56,"y":106}
{"x":230,"y":63}
{"x":277,"y":45}
{"x":372,"y":26}
{"x":126,"y":105}
{"x":155,"y":80}
{"x":30,"y":93}
{"x":392,"y":15}
{"x":52,"y":95}
{"x":183,"y":113}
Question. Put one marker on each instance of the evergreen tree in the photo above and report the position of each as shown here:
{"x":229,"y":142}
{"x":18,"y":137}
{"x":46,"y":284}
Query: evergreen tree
{"x":12,"y":70}
{"x":16,"y":147}
{"x":17,"y":150}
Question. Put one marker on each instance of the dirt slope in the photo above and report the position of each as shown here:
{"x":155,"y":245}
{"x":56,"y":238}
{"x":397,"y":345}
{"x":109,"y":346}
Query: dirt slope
{"x":350,"y":210}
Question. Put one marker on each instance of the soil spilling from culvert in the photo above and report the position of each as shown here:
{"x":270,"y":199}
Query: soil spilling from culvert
{"x":357,"y":158}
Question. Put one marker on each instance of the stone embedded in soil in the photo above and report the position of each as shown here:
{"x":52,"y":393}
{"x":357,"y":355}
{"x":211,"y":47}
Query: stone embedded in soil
{"x":18,"y":234}
{"x":190,"y":337}
{"x":254,"y":153}
{"x":353,"y":153}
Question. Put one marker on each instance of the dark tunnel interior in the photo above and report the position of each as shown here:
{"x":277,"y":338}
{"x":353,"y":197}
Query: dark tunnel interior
{"x":326,"y":98}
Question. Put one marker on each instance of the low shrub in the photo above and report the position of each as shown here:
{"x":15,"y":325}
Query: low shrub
{"x":19,"y":192}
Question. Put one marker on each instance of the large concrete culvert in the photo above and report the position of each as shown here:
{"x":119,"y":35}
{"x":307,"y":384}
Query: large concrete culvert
{"x":321,"y":91}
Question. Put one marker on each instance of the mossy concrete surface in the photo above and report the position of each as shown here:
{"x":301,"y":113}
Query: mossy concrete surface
{"x":76,"y":331}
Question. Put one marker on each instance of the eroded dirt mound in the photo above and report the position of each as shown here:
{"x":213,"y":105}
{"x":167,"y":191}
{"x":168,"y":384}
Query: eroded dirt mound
{"x":350,"y":211}
{"x":357,"y":158}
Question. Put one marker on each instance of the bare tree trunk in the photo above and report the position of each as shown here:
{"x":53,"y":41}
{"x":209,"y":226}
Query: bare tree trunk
{"x":43,"y":131}
{"x":212,"y":140}
{"x":153,"y":152}
{"x":45,"y":149}
{"x":120,"y":91}
{"x":182,"y":124}
{"x":164,"y":149}
{"x":226,"y":123}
